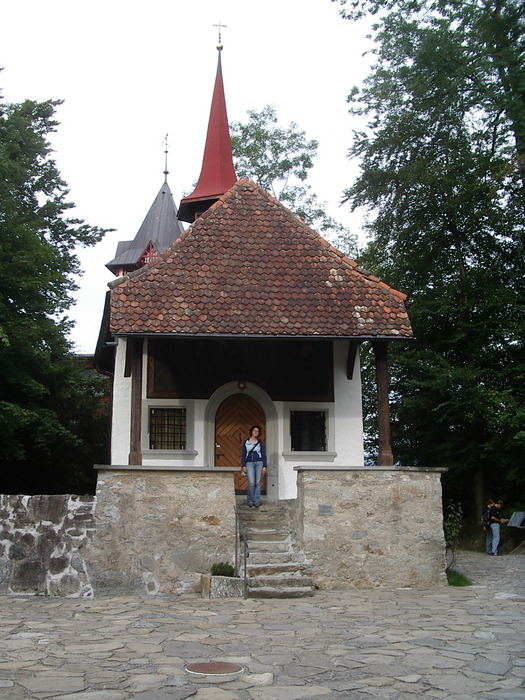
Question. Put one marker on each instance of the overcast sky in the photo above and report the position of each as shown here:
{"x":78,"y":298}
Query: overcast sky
{"x":131,"y":72}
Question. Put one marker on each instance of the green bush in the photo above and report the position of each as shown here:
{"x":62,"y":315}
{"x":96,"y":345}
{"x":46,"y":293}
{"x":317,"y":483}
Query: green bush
{"x":452,"y":524}
{"x":222,"y":569}
{"x":457,"y":579}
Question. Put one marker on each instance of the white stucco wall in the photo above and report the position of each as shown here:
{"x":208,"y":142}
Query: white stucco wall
{"x":345,"y":425}
{"x":349,"y":409}
{"x":121,"y":411}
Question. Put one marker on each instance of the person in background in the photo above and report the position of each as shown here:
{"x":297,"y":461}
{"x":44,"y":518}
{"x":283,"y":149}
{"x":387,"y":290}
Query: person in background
{"x":495,"y":525}
{"x":486,"y":523}
{"x":254,"y":465}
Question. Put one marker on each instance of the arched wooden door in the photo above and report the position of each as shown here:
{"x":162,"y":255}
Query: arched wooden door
{"x":233,"y":420}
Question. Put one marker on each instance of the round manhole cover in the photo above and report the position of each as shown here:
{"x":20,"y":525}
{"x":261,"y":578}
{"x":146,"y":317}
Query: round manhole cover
{"x":214,"y":671}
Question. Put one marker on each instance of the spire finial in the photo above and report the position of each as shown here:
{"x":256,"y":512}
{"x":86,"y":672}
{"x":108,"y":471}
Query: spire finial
{"x":221,"y":26}
{"x":166,"y":171}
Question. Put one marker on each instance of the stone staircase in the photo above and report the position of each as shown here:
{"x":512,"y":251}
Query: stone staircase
{"x":276,"y":567}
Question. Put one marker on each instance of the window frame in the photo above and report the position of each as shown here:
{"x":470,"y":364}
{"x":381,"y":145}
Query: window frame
{"x":189,"y":406}
{"x":310,"y":427}
{"x":327,"y":455}
{"x":175,"y":417}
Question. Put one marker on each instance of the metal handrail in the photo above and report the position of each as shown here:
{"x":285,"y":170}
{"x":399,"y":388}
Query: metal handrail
{"x":240,"y":537}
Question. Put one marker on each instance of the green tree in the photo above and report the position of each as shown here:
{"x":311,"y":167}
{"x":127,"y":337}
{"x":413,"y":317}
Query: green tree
{"x":279,"y":160}
{"x":47,"y":406}
{"x":442,"y":173}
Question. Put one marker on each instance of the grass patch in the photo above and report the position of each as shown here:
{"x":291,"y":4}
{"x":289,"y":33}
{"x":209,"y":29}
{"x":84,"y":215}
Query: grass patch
{"x":457,"y":579}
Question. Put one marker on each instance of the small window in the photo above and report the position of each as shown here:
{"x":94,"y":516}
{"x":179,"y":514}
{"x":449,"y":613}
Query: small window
{"x":167,"y":429}
{"x":148,"y":255}
{"x":308,"y":431}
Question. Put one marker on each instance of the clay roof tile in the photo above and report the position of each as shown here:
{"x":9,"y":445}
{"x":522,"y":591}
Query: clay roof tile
{"x":249,"y":266}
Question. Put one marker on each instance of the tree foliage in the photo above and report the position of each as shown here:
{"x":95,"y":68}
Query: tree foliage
{"x":49,"y":411}
{"x":442,"y":173}
{"x":279,"y":160}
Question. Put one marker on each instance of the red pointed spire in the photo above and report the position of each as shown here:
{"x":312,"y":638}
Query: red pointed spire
{"x":217,"y":172}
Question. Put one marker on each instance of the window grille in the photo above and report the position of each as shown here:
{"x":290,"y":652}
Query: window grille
{"x":308,"y":431}
{"x":167,"y":429}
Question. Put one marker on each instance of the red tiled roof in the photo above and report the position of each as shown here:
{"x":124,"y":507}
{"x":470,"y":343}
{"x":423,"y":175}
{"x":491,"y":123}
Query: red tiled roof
{"x":248,"y":266}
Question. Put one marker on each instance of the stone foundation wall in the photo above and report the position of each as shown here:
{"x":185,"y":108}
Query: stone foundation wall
{"x":42,"y":543}
{"x":154,"y":531}
{"x":158,"y":531}
{"x":372,"y":527}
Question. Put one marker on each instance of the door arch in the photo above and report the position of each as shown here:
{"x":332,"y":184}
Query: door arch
{"x":233,"y":420}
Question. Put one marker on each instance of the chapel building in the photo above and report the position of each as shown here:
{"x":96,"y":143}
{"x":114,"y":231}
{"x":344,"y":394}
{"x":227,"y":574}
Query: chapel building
{"x":246,"y":317}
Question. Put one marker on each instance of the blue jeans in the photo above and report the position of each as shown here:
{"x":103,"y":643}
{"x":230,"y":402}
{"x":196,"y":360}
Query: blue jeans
{"x":488,"y":540}
{"x":254,"y":473}
{"x":495,"y":537}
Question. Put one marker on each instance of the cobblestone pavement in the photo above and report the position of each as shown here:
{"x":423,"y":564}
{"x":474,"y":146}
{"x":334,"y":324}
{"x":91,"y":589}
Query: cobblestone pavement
{"x":444,"y":642}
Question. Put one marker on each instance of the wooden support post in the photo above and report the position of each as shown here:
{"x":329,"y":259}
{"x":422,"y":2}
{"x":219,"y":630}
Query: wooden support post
{"x":135,"y":441}
{"x":386,"y":458}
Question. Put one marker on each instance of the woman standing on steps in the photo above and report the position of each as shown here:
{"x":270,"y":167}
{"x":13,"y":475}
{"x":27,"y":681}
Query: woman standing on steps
{"x":254,"y":465}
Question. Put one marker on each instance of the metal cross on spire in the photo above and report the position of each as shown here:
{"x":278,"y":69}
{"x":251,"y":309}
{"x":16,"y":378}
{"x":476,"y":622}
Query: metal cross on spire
{"x":166,"y":171}
{"x":221,"y":26}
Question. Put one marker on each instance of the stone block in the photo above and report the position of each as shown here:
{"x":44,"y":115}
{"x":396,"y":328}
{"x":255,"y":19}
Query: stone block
{"x":221,"y":586}
{"x":4,"y":575}
{"x":18,"y":551}
{"x":113,"y":582}
{"x":48,"y":508}
{"x":67,"y":585}
{"x":47,"y":540}
{"x":28,"y":577}
{"x":58,"y":564}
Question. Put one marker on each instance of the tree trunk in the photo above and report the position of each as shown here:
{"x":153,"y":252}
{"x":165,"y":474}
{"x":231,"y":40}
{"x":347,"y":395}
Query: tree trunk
{"x":385,"y":458}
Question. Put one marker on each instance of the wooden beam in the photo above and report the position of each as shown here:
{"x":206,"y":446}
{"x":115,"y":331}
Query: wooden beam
{"x":129,"y":357}
{"x":135,"y":440}
{"x":386,"y":458}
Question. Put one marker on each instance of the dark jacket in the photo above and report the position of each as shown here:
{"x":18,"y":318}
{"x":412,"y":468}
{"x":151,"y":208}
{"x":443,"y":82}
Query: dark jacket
{"x":253,"y":453}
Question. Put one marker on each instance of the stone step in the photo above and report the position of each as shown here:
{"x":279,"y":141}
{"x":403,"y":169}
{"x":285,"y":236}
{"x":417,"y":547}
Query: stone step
{"x":266,"y":536}
{"x":274,"y":569}
{"x":250,"y":530}
{"x":263,"y":514}
{"x":280,"y":506}
{"x":267,"y":526}
{"x":269,"y":557}
{"x":265,"y":522}
{"x":273,"y":547}
{"x":281,"y":581}
{"x":271,"y":592}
